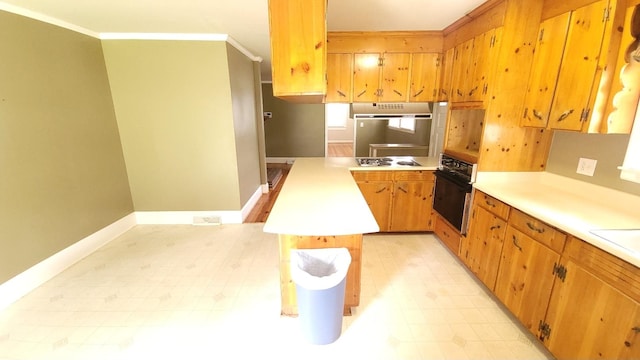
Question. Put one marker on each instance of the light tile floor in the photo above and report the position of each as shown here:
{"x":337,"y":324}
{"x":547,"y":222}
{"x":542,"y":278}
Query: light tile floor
{"x":212,"y":292}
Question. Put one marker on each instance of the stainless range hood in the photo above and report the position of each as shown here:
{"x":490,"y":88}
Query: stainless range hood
{"x":420,"y":110}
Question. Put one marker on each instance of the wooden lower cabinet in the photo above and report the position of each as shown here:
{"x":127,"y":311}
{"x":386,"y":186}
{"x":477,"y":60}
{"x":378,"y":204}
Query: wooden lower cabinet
{"x":594,"y":310}
{"x":481,"y":249}
{"x":401,"y":201}
{"x":525,"y":277}
{"x":449,"y":235}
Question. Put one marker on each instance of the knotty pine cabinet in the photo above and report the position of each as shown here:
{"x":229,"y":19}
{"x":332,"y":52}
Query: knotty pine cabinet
{"x":565,"y":68}
{"x":298,"y":33}
{"x":381,"y":77}
{"x":401,"y":201}
{"x":527,"y":267}
{"x":339,"y":78}
{"x":446,"y":76}
{"x":594,"y":311}
{"x":481,"y":248}
{"x":425,"y":77}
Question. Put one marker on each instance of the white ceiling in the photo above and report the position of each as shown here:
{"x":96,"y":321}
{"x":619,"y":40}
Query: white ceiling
{"x":246,"y":21}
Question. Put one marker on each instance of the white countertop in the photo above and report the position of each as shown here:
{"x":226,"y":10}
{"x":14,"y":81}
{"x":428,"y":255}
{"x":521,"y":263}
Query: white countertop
{"x":320,"y":197}
{"x":573,"y":206}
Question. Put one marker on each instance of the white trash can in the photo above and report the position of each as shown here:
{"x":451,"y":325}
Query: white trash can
{"x":320,"y":276}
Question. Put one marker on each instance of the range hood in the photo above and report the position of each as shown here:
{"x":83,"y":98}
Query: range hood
{"x":420,"y":110}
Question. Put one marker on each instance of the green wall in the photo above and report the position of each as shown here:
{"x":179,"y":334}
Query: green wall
{"x":63,"y":172}
{"x":181,"y":130}
{"x":296,"y":130}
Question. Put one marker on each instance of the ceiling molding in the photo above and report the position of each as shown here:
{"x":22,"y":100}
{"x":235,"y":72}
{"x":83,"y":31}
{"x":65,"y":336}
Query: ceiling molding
{"x":47,"y":19}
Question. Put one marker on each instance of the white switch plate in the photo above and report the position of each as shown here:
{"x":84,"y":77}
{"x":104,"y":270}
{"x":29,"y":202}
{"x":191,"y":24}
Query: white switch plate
{"x":586,"y":166}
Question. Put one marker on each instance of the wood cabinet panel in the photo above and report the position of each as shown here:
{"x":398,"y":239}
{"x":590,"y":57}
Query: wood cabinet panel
{"x":425,"y":77}
{"x":481,"y":249}
{"x":394,"y":82}
{"x":372,"y":175}
{"x":366,"y":77}
{"x":570,"y":107}
{"x":492,"y":204}
{"x":298,"y":33}
{"x":424,"y":175}
{"x":412,"y":205}
{"x":525,"y":277}
{"x":590,"y":319}
{"x":448,"y":234}
{"x":378,"y":194}
{"x":544,"y":73}
{"x":339,"y":78}
{"x":447,"y":73}
{"x":462,"y":71}
{"x":538,"y":230}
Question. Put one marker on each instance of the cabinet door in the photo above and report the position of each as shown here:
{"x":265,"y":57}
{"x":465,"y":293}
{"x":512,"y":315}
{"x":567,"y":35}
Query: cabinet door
{"x":425,"y":76}
{"x":462,"y":71}
{"x":411,"y":208}
{"x":578,"y":69}
{"x":339,"y":77}
{"x":366,"y":76}
{"x":484,"y":52}
{"x":589,"y":319}
{"x":298,"y":47}
{"x":525,"y":277}
{"x":544,"y":72}
{"x":447,"y":72}
{"x":395,"y":77}
{"x":378,"y":197}
{"x":482,"y":247}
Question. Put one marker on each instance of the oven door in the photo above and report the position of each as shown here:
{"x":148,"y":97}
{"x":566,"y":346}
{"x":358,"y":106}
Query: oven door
{"x":452,"y":197}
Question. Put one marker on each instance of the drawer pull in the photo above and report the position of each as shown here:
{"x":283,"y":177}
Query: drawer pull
{"x":494,"y":227}
{"x":515,"y":243}
{"x":489,"y":203}
{"x":533,"y":228}
{"x":636,"y":329}
{"x":381,"y":190}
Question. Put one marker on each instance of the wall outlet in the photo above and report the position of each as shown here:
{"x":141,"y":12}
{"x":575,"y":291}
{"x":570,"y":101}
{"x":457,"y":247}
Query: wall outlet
{"x":586,"y":166}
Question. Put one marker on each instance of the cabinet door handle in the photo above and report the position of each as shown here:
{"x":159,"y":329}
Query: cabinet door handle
{"x":362,"y":93}
{"x":515,"y":243}
{"x":401,"y":189}
{"x":341,"y":93}
{"x":537,"y":114}
{"x":397,"y":92}
{"x":565,"y":114}
{"x":459,"y":92}
{"x":472,"y":91}
{"x":636,"y":329}
{"x":381,"y":190}
{"x":494,"y":227}
{"x":533,"y":228}
{"x":418,"y":93}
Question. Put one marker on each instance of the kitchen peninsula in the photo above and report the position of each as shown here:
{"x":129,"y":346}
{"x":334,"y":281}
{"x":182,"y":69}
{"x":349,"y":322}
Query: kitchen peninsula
{"x":321,"y":206}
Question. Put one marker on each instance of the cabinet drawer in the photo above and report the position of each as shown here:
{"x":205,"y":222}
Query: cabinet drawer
{"x":490,"y":203}
{"x":618,"y":273}
{"x":372,"y":175}
{"x":413,"y":175}
{"x":538,"y":230}
{"x":448,"y":234}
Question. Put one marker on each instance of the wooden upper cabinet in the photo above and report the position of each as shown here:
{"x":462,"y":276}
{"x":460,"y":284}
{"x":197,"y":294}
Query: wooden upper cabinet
{"x":366,"y":77}
{"x":394,"y":83}
{"x":565,"y":67}
{"x":447,"y":72}
{"x":485,"y":51}
{"x":544,"y":72}
{"x":462,"y":71}
{"x":339,"y":78}
{"x":425,"y":77}
{"x":570,"y":108}
{"x":298,"y":32}
{"x":381,"y":77}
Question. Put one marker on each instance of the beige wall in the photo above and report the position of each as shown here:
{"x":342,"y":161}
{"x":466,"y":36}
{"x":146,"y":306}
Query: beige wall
{"x":173,"y":102}
{"x":63,"y":173}
{"x":608,"y":149}
{"x":296,"y":130}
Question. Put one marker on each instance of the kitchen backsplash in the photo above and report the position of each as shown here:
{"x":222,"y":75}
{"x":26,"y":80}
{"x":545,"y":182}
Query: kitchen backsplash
{"x":608,"y":149}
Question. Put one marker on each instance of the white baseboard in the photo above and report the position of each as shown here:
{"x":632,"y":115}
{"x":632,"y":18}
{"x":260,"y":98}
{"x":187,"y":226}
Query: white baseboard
{"x":25,"y":282}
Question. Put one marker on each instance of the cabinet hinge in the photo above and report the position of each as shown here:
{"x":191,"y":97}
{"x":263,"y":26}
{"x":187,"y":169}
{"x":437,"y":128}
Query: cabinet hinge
{"x":380,"y":61}
{"x":560,"y":271}
{"x":485,"y":89}
{"x":541,"y":35}
{"x":584,"y":115}
{"x":493,"y":41}
{"x":605,"y":16}
{"x":526,"y":111}
{"x":545,"y":330}
{"x":438,"y":61}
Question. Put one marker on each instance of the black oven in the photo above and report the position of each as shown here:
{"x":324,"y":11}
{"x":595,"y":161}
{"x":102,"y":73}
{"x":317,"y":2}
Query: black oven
{"x":452,"y":194}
